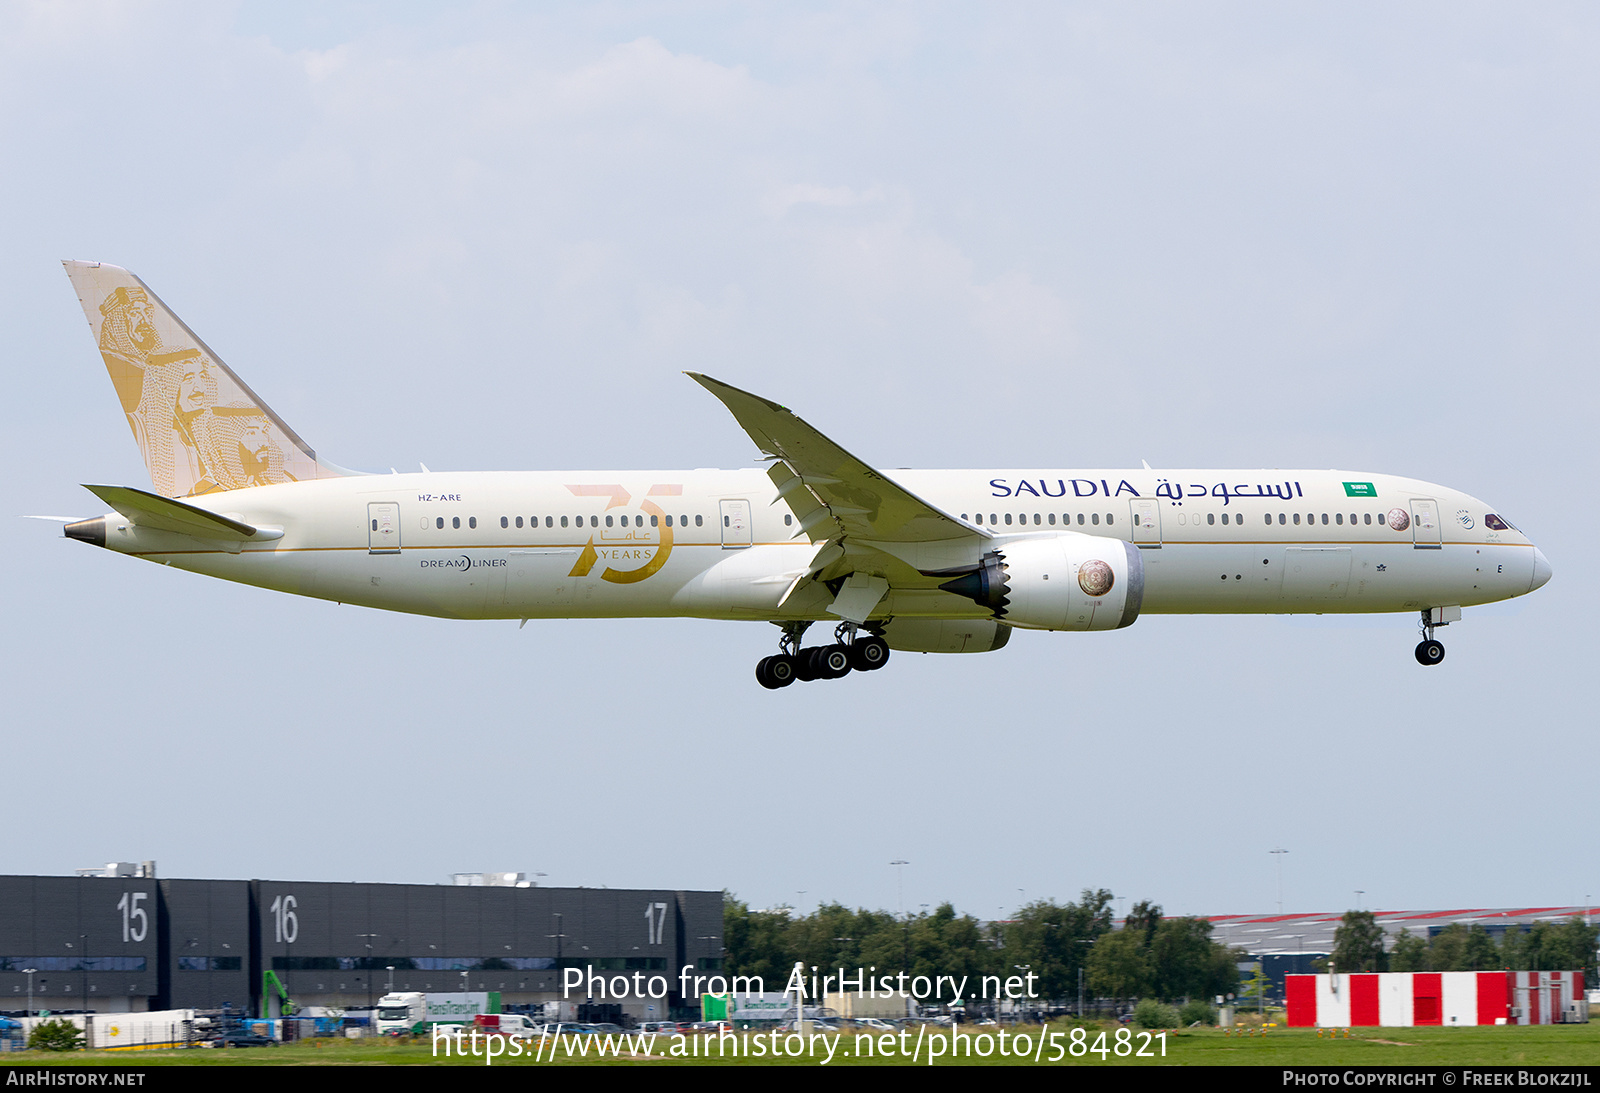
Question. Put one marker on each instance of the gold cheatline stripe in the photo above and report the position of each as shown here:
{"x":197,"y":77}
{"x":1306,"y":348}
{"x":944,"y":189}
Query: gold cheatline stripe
{"x":785,"y":542}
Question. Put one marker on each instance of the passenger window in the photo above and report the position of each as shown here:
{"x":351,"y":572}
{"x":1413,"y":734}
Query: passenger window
{"x":1080,"y":519}
{"x":788,"y":518}
{"x":608,"y":521}
{"x":1368,"y":519}
{"x":1008,"y":518}
{"x":1211,"y":517}
{"x":374,"y":525}
{"x":1282,"y":519}
{"x":594,"y":521}
{"x":655,"y":521}
{"x":1109,"y":520}
{"x":1324,"y":518}
{"x":507,"y":523}
{"x":472,"y":521}
{"x":519,"y":521}
{"x":1297,"y":518}
{"x":455,"y":521}
{"x":1052,"y":519}
{"x":563,"y":521}
{"x":1036,"y":518}
{"x":725,"y":522}
{"x":1096,"y":518}
{"x":439,"y":523}
{"x":699,"y":521}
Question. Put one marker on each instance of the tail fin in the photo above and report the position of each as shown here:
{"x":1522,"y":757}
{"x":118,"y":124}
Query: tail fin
{"x":199,"y":427}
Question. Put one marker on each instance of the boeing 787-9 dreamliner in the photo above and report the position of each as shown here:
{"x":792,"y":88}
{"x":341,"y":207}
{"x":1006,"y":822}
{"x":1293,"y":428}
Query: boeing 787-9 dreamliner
{"x":926,"y":561}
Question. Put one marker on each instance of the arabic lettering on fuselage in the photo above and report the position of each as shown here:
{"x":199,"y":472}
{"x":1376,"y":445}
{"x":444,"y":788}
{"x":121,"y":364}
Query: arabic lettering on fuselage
{"x":1170,"y":491}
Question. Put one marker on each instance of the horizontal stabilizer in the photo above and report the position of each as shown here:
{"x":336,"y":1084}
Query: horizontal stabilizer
{"x":169,"y":514}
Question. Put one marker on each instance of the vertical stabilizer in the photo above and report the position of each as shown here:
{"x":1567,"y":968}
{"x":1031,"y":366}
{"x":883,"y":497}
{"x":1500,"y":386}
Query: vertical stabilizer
{"x":198,"y":426}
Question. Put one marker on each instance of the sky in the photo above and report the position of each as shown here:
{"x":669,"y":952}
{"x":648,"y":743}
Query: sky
{"x":493,"y":236}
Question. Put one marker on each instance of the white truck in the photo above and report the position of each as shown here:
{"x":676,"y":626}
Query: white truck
{"x":416,"y":1011}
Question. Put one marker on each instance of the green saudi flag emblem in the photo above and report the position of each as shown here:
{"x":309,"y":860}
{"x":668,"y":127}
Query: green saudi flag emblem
{"x":1360,"y":489}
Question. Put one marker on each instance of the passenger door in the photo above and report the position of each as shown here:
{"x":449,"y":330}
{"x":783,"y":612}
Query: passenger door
{"x":383,"y":528}
{"x":736,"y":531}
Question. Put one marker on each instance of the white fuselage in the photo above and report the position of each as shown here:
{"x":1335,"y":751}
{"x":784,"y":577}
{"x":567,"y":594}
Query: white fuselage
{"x":719,"y":544}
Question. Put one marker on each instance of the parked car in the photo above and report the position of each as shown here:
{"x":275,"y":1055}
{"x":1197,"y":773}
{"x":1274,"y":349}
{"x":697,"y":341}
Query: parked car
{"x":241,"y":1038}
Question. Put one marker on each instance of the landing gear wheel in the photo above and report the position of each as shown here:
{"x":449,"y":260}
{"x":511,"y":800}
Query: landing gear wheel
{"x":869,"y":654}
{"x":831,"y":661}
{"x":776,"y":671}
{"x":1430,"y":652}
{"x":781,"y":669}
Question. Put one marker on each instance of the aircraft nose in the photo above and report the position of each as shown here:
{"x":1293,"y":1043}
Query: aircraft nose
{"x":1541,"y":569}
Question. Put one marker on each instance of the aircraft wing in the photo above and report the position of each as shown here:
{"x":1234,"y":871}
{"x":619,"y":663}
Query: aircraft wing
{"x":836,"y":496}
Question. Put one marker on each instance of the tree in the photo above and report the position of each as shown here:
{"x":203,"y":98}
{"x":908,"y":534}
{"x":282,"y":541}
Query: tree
{"x":1410,"y":953}
{"x":1162,"y":957}
{"x":1358,"y":944}
{"x":1447,"y":949}
{"x":948,"y":944}
{"x":1054,"y":939}
{"x":1186,"y":963}
{"x":1254,"y":990}
{"x":1479,"y":954}
{"x":755,"y":942}
{"x":57,"y":1035}
{"x":1550,"y":947}
{"x":1119,"y":967}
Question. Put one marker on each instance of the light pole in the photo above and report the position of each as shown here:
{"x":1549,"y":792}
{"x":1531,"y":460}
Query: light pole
{"x":366,"y":965}
{"x":29,"y":973}
{"x":900,"y":887}
{"x":558,"y":935}
{"x":900,"y":902}
{"x":83,"y":962}
{"x":1278,"y":853}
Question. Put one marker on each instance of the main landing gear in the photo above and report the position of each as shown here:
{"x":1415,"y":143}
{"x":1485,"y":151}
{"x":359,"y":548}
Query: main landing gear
{"x":848,"y":652}
{"x":1429,"y":651}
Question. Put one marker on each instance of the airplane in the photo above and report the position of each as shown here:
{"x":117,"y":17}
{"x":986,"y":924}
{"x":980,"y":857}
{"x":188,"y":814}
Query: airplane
{"x":933,"y":561}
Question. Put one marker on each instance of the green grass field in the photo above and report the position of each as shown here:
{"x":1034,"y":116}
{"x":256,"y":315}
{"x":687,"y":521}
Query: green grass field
{"x":1551,"y":1045}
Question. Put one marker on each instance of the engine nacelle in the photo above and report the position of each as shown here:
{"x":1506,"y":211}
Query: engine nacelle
{"x":1058,"y":582}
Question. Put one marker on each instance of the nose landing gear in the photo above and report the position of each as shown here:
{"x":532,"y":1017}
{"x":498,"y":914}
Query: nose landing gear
{"x":849,"y":652}
{"x":1429,"y":651}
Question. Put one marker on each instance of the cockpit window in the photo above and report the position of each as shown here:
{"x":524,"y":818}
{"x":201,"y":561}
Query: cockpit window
{"x":1497,"y":523}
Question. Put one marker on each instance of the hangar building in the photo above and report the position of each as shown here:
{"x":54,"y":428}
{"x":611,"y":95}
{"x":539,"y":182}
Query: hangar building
{"x":131,"y":943}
